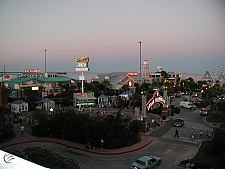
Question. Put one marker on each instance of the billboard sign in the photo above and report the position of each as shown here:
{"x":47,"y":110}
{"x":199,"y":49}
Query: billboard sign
{"x":82,"y":60}
{"x":82,"y":64}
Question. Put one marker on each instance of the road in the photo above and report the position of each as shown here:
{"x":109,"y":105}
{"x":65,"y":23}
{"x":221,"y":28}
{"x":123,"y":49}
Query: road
{"x":172,"y":150}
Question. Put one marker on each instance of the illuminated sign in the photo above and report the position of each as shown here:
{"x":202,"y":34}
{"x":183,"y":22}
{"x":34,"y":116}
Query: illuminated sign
{"x":82,"y":69}
{"x":156,"y":98}
{"x":35,"y":87}
{"x":81,"y":78}
{"x":82,"y":60}
{"x":82,"y":66}
{"x":132,"y":74}
{"x":32,"y":70}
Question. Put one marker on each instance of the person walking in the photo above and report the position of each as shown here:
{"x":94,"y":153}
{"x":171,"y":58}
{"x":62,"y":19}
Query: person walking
{"x":193,"y":134}
{"x":18,"y":128}
{"x":201,"y":133}
{"x":176,"y":133}
{"x":22,"y":129}
{"x":102,"y":144}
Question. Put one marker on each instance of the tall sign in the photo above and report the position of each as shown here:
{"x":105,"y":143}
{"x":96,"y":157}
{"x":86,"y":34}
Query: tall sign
{"x":82,"y":64}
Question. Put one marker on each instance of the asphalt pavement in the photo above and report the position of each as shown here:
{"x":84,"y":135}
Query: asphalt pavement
{"x":162,"y":135}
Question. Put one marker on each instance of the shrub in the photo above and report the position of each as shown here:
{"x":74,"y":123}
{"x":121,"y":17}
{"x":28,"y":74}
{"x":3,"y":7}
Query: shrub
{"x":7,"y":133}
{"x":115,"y":131}
{"x":50,"y":159}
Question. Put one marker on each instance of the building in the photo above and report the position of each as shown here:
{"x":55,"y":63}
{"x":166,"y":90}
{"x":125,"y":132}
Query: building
{"x":145,"y":69}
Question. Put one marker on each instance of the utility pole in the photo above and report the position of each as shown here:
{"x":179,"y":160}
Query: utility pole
{"x":140,"y":57}
{"x":45,"y":60}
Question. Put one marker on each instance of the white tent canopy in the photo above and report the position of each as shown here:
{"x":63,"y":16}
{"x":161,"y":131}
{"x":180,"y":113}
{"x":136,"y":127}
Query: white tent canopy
{"x":19,"y":105}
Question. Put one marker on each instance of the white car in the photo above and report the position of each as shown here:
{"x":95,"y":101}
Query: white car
{"x":146,"y":162}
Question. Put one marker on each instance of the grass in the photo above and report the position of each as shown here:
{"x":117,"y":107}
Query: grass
{"x":216,"y":161}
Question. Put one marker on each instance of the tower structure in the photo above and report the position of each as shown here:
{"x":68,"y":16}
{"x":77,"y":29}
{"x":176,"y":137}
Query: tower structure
{"x":145,"y":69}
{"x":207,"y":77}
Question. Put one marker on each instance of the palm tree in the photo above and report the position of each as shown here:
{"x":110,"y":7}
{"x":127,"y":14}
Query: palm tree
{"x":105,"y":83}
{"x":94,"y":85}
{"x":125,"y":88}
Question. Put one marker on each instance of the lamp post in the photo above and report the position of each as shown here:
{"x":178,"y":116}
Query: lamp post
{"x":143,"y":98}
{"x":144,"y":116}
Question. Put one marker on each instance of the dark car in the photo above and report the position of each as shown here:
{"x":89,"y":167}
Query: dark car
{"x":197,"y":166}
{"x":204,"y":112}
{"x":178,"y":123}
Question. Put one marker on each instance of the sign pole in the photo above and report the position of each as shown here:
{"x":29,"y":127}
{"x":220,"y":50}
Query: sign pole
{"x":82,"y":82}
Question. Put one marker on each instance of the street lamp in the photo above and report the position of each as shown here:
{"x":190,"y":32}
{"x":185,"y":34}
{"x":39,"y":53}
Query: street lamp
{"x":143,"y":97}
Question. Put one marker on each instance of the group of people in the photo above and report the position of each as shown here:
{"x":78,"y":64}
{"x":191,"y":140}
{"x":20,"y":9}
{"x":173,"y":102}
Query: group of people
{"x":193,"y":135}
{"x":90,"y":145}
{"x":152,"y":125}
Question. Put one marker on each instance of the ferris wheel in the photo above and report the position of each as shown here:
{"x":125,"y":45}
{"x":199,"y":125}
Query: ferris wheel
{"x":219,"y":74}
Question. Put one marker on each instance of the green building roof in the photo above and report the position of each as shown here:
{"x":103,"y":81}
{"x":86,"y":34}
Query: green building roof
{"x":54,"y":79}
{"x":39,"y":79}
{"x":20,"y":80}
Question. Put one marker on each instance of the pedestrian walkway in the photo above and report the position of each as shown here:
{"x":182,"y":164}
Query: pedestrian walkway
{"x":27,"y":137}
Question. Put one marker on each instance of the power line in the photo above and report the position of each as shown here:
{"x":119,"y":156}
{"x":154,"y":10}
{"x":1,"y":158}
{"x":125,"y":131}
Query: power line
{"x":175,"y":53}
{"x":22,"y":59}
{"x":106,"y":47}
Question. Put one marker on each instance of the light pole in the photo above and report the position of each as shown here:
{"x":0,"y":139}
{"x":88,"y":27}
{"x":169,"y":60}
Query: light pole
{"x":45,"y":60}
{"x":144,"y":116}
{"x":140,"y":57}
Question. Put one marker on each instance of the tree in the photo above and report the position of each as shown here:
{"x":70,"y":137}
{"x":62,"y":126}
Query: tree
{"x":164,"y":74}
{"x":5,"y":93}
{"x":105,"y":83}
{"x":125,"y":88}
{"x":3,"y":111}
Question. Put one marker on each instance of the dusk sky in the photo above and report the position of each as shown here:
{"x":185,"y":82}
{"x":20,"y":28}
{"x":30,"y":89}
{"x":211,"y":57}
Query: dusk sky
{"x":185,"y":36}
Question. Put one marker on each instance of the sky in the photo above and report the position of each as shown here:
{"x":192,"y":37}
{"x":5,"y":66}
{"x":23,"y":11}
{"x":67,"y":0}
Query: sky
{"x":185,"y":36}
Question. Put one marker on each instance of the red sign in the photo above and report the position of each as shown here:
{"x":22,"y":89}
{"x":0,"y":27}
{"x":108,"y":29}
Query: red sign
{"x":132,"y":74}
{"x":32,"y":70}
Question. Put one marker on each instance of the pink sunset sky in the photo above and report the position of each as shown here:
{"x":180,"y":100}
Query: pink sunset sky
{"x":186,"y":36}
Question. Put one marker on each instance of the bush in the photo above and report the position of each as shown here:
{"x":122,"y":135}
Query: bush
{"x":117,"y":142}
{"x":81,"y":128}
{"x":50,"y":159}
{"x":216,"y":117}
{"x":174,"y":110}
{"x":7,"y":133}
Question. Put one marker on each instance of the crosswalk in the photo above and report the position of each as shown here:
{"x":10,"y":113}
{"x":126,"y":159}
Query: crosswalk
{"x":190,"y":140}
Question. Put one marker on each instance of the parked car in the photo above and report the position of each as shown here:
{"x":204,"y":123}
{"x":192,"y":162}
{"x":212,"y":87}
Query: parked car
{"x":197,"y":166}
{"x":178,"y":94}
{"x":204,"y":112}
{"x":146,"y":162}
{"x":178,"y":123}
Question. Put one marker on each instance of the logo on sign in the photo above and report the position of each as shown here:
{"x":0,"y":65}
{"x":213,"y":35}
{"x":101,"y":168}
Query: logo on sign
{"x":82,"y":65}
